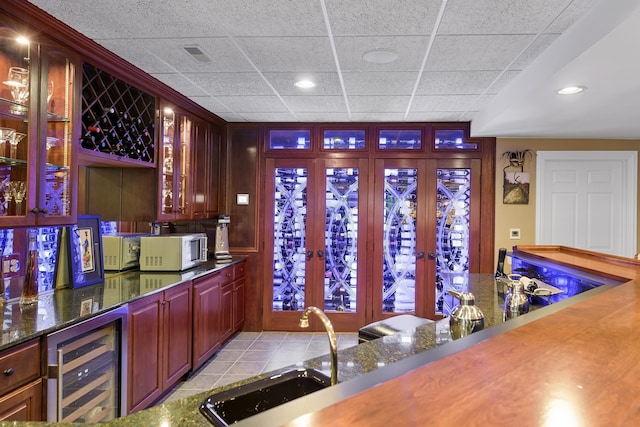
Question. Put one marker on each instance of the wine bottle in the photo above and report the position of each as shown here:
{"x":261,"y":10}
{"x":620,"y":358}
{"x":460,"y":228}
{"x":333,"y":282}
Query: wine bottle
{"x":30,"y":285}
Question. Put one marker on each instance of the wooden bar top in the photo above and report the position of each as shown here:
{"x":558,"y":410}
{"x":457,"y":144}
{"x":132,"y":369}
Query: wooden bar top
{"x":579,"y":366}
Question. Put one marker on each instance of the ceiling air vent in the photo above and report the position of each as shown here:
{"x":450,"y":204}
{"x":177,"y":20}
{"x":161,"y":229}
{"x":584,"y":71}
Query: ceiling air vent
{"x":197,"y":54}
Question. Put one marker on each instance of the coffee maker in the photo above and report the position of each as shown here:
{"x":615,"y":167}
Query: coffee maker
{"x":221,"y":248}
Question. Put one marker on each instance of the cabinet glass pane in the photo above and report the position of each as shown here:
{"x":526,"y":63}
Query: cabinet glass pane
{"x":453,"y":139}
{"x":185,"y":161}
{"x":341,"y":239}
{"x":343,"y":140}
{"x":58,"y":149}
{"x":168,"y":131}
{"x":402,"y":139}
{"x":289,"y":229}
{"x":289,"y":139}
{"x":453,"y":203}
{"x":399,"y":240}
{"x":15,"y":89}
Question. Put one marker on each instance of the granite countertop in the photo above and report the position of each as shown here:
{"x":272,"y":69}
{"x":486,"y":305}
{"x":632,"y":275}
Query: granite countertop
{"x":352,"y":362}
{"x":61,"y":308}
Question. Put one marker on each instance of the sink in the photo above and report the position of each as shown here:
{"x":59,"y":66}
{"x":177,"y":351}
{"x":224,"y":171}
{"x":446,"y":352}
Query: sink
{"x":233,"y":405}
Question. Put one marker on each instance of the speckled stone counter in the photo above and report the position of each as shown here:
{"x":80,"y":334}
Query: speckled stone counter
{"x":352,"y":362}
{"x":64,"y":307}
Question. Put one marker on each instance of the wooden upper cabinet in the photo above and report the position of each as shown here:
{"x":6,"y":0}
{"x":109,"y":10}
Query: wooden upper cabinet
{"x":205,"y":171}
{"x":38,"y":108}
{"x":189,"y":156}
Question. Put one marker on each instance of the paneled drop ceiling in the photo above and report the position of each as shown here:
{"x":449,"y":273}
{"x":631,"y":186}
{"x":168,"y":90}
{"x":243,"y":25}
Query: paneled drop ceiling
{"x":495,"y":63}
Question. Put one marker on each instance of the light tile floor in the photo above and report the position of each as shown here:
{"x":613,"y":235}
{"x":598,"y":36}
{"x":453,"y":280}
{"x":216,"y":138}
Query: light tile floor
{"x":252,"y":353}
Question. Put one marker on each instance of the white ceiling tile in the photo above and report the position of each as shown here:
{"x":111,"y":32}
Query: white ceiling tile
{"x":380,"y":104}
{"x":253,"y":104}
{"x":382,"y":17}
{"x":136,"y":53}
{"x":269,"y":17}
{"x":452,"y":116}
{"x":316,"y":103}
{"x":230,"y":84}
{"x":434,"y":103}
{"x":483,"y":52}
{"x":532,"y":51}
{"x":575,"y":10}
{"x":377,"y":117}
{"x":379,"y":83}
{"x":180,"y":83}
{"x":499,"y":16}
{"x":410,"y":50}
{"x":455,"y":82}
{"x":322,"y":117}
{"x":269,"y":117}
{"x":289,"y":53}
{"x":326,"y":83}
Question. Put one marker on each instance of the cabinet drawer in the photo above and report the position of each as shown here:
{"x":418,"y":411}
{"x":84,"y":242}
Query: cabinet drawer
{"x":19,"y":365}
{"x":239,"y":270}
{"x":226,"y":274}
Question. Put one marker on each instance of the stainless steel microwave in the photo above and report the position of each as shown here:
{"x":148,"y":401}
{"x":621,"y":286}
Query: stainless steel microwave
{"x":172,"y":252}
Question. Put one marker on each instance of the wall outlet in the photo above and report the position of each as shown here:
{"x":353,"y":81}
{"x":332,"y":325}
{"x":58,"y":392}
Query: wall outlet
{"x":514,"y":233}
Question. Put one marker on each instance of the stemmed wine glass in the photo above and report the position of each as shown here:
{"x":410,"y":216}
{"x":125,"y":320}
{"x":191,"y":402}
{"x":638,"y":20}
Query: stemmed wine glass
{"x":6,"y":136}
{"x":19,"y":83}
{"x":18,"y":192}
{"x":17,"y":137}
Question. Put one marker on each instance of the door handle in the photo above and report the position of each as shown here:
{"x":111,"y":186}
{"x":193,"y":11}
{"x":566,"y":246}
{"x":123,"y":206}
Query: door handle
{"x":309,"y":254}
{"x":320,"y":254}
{"x":431,"y":255}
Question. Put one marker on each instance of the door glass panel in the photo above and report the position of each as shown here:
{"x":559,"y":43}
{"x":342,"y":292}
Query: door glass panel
{"x":452,"y":234}
{"x":185,"y":161}
{"x":453,"y":139}
{"x":289,"y":139}
{"x":343,"y":139}
{"x":399,"y":241}
{"x":289,"y":229}
{"x":341,"y":242}
{"x":167,"y":157}
{"x":400,"y":139}
{"x":59,"y":143}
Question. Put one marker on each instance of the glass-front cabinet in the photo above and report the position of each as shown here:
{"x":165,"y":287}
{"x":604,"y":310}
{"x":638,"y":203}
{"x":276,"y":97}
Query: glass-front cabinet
{"x":175,"y":152}
{"x":37,"y":105}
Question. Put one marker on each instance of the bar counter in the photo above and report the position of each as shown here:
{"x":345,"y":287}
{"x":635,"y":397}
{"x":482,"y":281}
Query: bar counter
{"x":574,"y":362}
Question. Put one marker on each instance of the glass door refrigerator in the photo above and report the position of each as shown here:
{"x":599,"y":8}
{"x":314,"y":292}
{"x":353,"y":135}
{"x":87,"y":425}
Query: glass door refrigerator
{"x":86,"y":370}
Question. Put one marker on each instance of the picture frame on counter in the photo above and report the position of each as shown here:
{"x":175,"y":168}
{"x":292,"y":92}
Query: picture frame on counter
{"x":85,"y":260}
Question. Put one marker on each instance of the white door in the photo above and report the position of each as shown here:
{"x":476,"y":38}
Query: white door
{"x":587,"y":200}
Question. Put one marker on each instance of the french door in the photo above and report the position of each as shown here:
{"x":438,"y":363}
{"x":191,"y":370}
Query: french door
{"x":316,"y":213}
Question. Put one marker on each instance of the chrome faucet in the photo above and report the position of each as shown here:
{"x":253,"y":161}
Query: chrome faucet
{"x":333,"y":342}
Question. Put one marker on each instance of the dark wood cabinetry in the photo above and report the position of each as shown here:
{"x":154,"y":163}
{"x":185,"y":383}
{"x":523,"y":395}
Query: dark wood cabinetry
{"x":218,"y":310}
{"x":159,"y":344}
{"x":21,"y":386}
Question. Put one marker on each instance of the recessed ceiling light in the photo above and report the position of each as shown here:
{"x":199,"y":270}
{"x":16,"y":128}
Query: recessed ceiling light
{"x":304,"y":84}
{"x":571,"y":90}
{"x":380,"y":56}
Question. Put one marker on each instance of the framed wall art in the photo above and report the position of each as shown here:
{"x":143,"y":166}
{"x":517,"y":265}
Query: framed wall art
{"x":85,"y":247}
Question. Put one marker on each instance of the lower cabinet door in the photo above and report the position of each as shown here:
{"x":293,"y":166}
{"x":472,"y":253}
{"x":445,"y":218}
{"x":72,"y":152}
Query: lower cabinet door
{"x":23,"y":404}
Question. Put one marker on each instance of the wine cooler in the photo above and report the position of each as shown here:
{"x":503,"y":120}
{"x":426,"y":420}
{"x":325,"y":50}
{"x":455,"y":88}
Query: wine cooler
{"x":86,"y":373}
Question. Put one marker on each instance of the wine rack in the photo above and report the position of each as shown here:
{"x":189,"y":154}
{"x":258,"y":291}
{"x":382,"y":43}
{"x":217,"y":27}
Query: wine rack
{"x":117,"y":118}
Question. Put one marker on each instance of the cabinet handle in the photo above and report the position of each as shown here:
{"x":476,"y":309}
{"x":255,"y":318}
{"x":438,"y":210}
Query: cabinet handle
{"x":420,"y":255}
{"x":309,"y":254}
{"x":44,"y":210}
{"x":432,"y":255}
{"x":8,"y":372}
{"x":320,"y":254}
{"x":35,"y":211}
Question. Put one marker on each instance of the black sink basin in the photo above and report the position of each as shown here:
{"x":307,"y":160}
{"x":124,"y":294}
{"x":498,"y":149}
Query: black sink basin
{"x":230,"y":406}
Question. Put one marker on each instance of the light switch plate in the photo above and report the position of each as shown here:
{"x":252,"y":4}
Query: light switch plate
{"x":514,"y":233}
{"x":242,"y":199}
